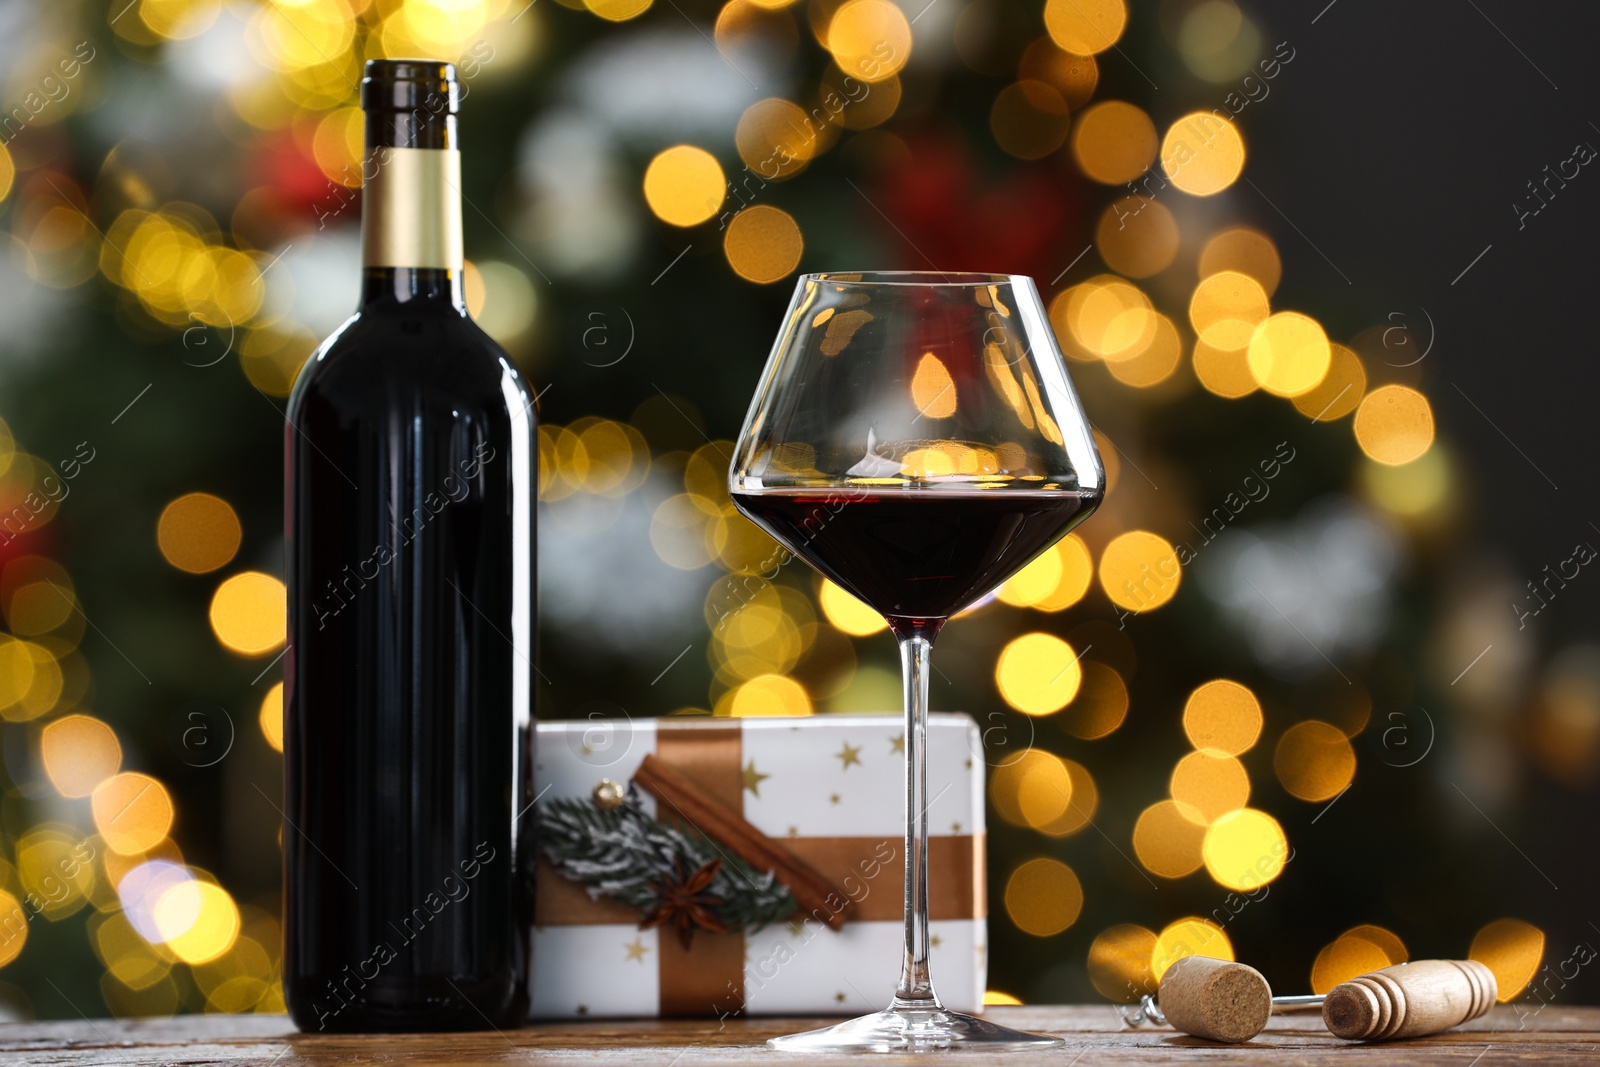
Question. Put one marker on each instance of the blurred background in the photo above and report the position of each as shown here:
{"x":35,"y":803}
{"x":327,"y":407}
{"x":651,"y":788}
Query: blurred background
{"x":1322,"y":274}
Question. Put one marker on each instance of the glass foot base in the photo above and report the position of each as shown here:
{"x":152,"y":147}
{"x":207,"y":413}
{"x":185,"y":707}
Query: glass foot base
{"x":914,"y":1030}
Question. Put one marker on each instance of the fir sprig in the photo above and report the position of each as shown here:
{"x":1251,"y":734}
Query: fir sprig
{"x":624,"y":855}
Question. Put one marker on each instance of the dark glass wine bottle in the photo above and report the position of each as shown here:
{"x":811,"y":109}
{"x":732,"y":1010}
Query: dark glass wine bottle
{"x":408,"y":695}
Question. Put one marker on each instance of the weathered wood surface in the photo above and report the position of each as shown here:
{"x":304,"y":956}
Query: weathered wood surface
{"x":1555,"y":1035}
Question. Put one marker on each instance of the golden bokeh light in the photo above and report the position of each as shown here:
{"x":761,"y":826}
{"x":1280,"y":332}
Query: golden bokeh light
{"x":1114,"y":141}
{"x":1082,"y":802}
{"x":1387,"y":941}
{"x":1394,"y":424}
{"x":996,"y":998}
{"x":132,"y":812}
{"x":1226,"y":308}
{"x":1073,"y":75}
{"x":249,"y":613}
{"x":1224,"y":372}
{"x":1511,"y":949}
{"x":768,"y":695}
{"x":775,"y":138}
{"x":1085,"y":27}
{"x":1289,"y":354}
{"x":1029,"y":119}
{"x":763,"y":244}
{"x":1041,"y":775}
{"x":869,"y":39}
{"x":198,"y":533}
{"x":1223,"y":715}
{"x":684,"y":185}
{"x":1139,"y":570}
{"x":1120,"y":962}
{"x":198,"y":920}
{"x":1137,"y":237}
{"x":932,"y":388}
{"x":8,"y":171}
{"x":13,"y":925}
{"x":617,"y":10}
{"x":53,"y":868}
{"x":1340,"y":390}
{"x":1244,"y":849}
{"x":1156,"y":363}
{"x":1344,"y":958}
{"x":1035,"y":582}
{"x":1099,"y":707}
{"x":1416,"y":490}
{"x":1314,"y":760}
{"x":1188,"y":937}
{"x":1038,"y":673}
{"x":1043,"y":897}
{"x":684,"y":530}
{"x":1167,"y":841}
{"x":1105,"y":317}
{"x":79,"y":752}
{"x":1202,"y":153}
{"x":1077,"y":573}
{"x":271,"y":716}
{"x":1245,"y":251}
{"x":1208,"y":784}
{"x":846,"y":613}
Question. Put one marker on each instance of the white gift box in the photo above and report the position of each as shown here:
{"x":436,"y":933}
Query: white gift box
{"x":830,"y":789}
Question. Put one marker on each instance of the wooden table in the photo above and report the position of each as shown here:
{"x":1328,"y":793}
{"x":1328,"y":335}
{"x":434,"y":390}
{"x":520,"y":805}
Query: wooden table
{"x":1094,"y":1035}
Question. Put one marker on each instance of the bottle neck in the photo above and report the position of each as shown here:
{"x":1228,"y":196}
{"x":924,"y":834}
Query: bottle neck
{"x":411,"y":210}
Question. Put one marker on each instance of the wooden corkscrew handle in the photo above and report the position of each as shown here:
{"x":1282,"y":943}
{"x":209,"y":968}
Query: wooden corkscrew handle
{"x":1409,"y":1000}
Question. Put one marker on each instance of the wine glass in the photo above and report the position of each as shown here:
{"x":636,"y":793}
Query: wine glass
{"x":915,"y":438}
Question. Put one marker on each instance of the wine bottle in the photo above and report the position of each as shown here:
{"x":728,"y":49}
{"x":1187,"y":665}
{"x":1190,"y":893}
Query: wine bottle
{"x":408,"y":698}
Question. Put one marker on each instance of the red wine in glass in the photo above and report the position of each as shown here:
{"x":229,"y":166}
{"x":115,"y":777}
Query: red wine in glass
{"x":917,"y":555}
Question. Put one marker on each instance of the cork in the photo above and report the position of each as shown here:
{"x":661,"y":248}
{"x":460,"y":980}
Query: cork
{"x":1216,"y":999}
{"x":1410,"y":1000}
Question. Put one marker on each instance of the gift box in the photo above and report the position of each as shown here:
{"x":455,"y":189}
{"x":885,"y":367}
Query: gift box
{"x":828,"y":791}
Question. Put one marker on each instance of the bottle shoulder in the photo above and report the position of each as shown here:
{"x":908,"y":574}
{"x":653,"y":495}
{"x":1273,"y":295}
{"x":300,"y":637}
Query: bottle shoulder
{"x":379,"y":359}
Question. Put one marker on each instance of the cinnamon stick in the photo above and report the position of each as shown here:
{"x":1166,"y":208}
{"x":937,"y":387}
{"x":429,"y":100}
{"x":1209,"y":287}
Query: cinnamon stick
{"x":812,"y":892}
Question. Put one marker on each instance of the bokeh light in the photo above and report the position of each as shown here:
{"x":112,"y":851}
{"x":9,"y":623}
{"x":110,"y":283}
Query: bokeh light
{"x":1244,"y":849}
{"x":1208,"y":784}
{"x":270,"y":717}
{"x":198,"y":920}
{"x":1139,"y":570}
{"x":1114,"y":141}
{"x":1120,"y":962}
{"x":1512,"y":949}
{"x":249,"y":613}
{"x":1167,"y":841}
{"x":1137,"y":237}
{"x":198,"y":533}
{"x":1340,"y":390}
{"x":767,"y":695}
{"x":1222,"y":715}
{"x":1289,"y":354}
{"x":1394,"y":424}
{"x":1038,"y":673}
{"x":1314,"y":760}
{"x":763,"y":244}
{"x":1100,"y":704}
{"x":1344,"y":958}
{"x":1202,"y":153}
{"x":132,"y":812}
{"x":684,"y":185}
{"x":846,"y":613}
{"x":1245,"y":251}
{"x":1085,"y":27}
{"x":1029,"y":119}
{"x":79,"y":752}
{"x":1043,"y":897}
{"x":13,"y":934}
{"x":1188,"y":937}
{"x":869,"y":39}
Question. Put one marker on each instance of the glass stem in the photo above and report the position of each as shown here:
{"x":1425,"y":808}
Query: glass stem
{"x":916,"y":651}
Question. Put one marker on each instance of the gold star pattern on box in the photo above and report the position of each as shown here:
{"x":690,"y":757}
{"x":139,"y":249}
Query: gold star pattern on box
{"x":636,"y":949}
{"x":897,"y":743}
{"x":753,"y":778}
{"x":849,"y":754}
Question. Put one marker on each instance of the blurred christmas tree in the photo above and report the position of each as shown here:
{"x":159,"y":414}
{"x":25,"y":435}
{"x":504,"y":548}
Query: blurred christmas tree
{"x":1177,"y":699}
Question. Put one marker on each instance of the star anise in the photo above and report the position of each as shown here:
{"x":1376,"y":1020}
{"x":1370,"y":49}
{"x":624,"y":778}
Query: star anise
{"x":683,"y":901}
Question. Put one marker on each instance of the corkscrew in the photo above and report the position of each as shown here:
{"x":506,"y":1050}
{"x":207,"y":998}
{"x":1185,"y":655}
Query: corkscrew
{"x":1230,"y":1002}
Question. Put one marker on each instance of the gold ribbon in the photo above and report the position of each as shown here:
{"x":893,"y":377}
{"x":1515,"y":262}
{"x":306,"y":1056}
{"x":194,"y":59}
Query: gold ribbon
{"x":709,"y":977}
